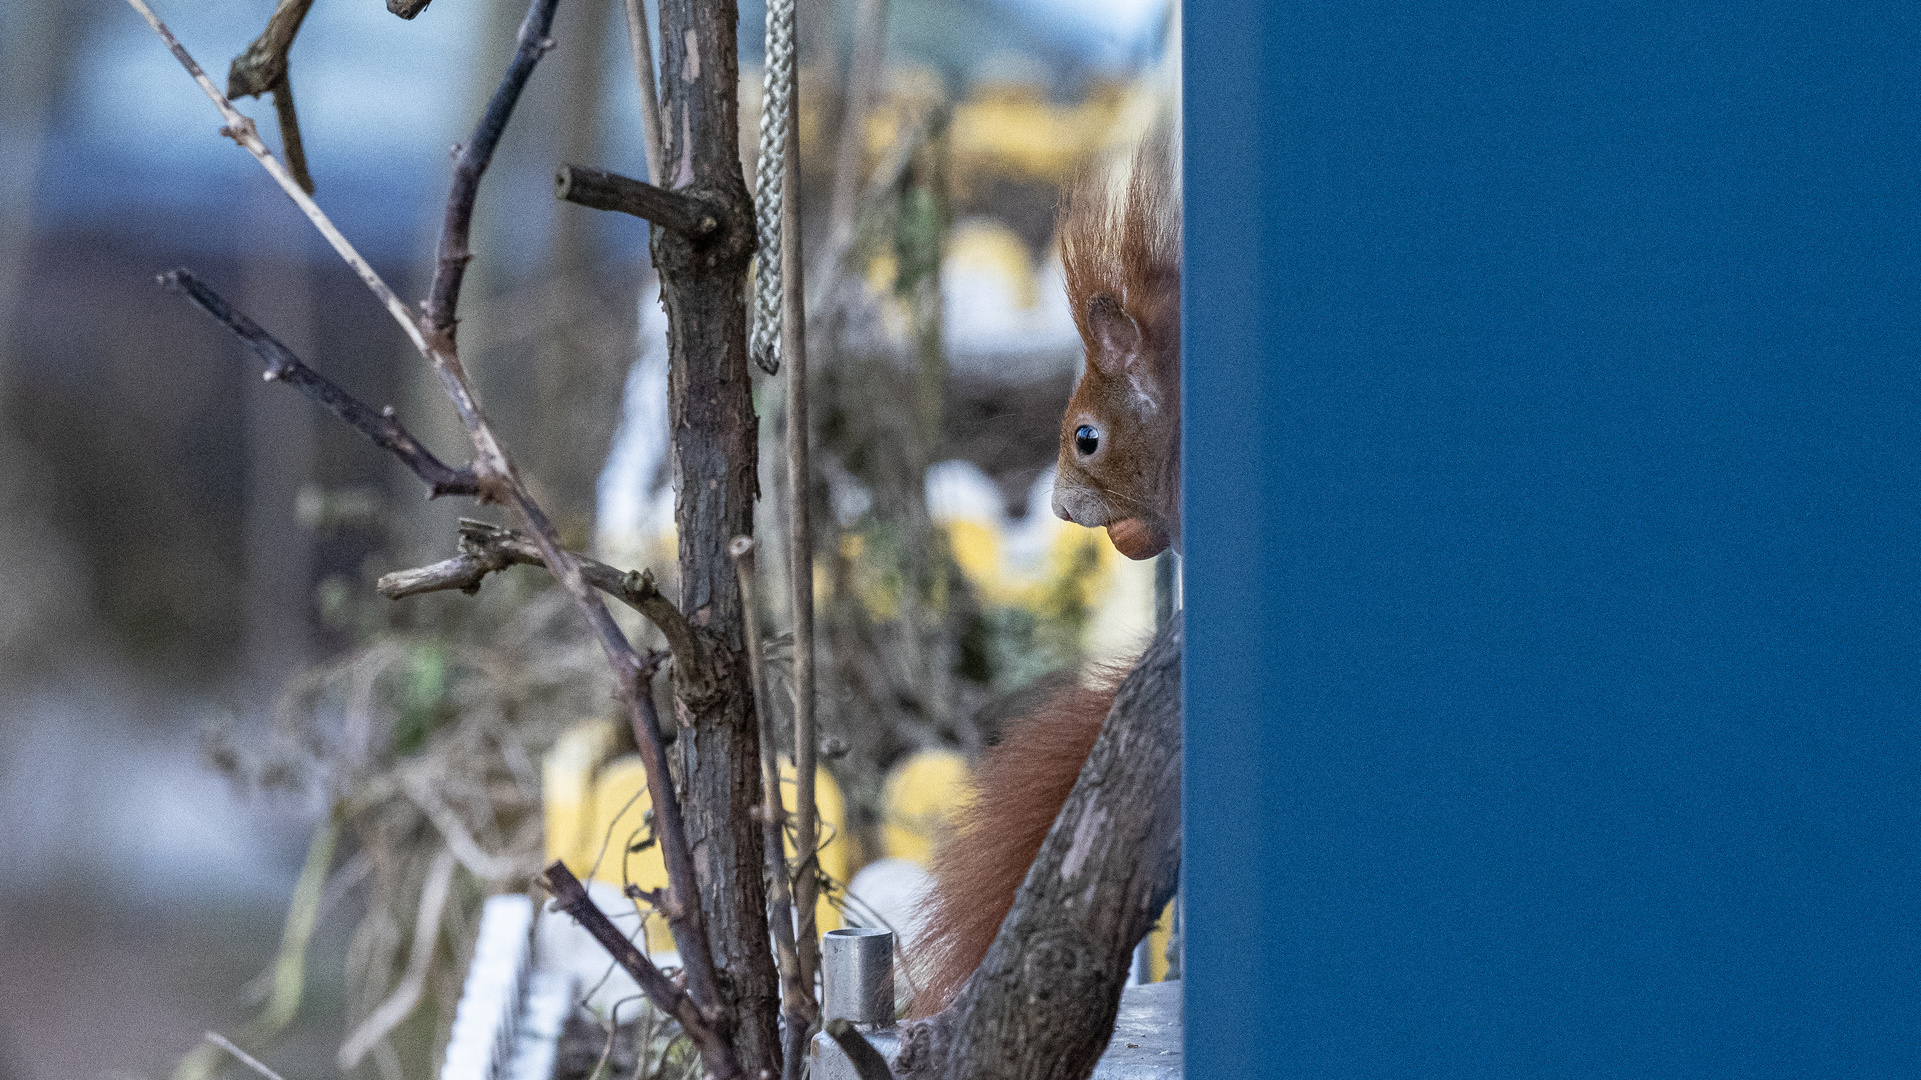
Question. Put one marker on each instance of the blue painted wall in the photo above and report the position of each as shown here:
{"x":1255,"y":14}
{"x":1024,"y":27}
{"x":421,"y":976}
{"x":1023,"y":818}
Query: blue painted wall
{"x":1554,"y":559}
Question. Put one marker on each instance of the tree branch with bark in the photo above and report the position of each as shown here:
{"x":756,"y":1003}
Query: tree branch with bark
{"x":1042,"y":1004}
{"x":724,"y":992}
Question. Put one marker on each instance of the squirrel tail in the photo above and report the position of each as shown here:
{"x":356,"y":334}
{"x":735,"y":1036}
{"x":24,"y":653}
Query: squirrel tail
{"x":1018,"y":792}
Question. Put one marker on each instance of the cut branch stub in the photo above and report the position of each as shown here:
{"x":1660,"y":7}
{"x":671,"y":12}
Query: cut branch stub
{"x":382,"y":427}
{"x":407,"y":9}
{"x":599,"y":189}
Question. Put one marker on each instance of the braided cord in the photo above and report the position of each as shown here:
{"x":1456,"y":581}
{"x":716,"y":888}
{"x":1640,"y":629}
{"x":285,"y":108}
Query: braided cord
{"x":770,"y":174}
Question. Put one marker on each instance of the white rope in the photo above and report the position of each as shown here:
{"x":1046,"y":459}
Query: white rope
{"x":770,"y":174}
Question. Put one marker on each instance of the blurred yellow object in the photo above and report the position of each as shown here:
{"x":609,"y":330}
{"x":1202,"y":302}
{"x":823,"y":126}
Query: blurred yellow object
{"x":1157,"y":939}
{"x":597,"y":812}
{"x":567,"y":786}
{"x":918,"y":800}
{"x":837,"y":847}
{"x":621,"y":824}
{"x":986,"y":245}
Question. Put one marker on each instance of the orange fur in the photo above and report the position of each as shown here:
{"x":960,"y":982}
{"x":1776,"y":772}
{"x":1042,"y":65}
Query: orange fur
{"x":1020,"y":788}
{"x":1121,"y":249}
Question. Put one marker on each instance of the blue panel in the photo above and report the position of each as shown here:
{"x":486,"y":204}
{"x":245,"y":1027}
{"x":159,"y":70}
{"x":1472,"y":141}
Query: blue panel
{"x":1554,"y":539}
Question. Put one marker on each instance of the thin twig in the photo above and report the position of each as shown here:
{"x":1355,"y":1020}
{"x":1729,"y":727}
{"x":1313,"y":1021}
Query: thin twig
{"x":571,"y":897}
{"x":800,"y":551}
{"x":867,"y":1061}
{"x":471,"y":163}
{"x":796,"y":1002}
{"x":246,"y":1059}
{"x":603,"y":190}
{"x":241,"y":129}
{"x":642,"y":46}
{"x":283,"y":366}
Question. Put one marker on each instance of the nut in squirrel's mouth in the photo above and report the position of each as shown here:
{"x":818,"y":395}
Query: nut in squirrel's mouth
{"x":1137,"y":538}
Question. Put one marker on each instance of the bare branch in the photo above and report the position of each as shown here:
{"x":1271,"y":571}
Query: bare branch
{"x":571,"y":897}
{"x":261,"y":68}
{"x":290,"y":135}
{"x":457,"y":225}
{"x":407,"y":9}
{"x":241,"y":129}
{"x":488,"y":549}
{"x":603,"y":190}
{"x":866,"y":1060}
{"x":492,"y":469}
{"x":1043,"y":1001}
{"x":283,"y":366}
{"x":800,"y":550}
{"x":797,"y":1002}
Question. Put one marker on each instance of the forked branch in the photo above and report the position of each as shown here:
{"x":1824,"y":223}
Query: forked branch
{"x":571,"y":897}
{"x":494,"y":473}
{"x":261,"y":68}
{"x":488,"y":549}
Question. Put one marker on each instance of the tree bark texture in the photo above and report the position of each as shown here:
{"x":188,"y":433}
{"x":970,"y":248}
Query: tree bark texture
{"x":715,"y":456}
{"x":1042,"y":1004}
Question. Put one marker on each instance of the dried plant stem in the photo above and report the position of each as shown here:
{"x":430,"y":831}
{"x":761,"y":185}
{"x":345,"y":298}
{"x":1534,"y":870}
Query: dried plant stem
{"x":642,"y":47}
{"x":800,"y":551}
{"x":413,"y":983}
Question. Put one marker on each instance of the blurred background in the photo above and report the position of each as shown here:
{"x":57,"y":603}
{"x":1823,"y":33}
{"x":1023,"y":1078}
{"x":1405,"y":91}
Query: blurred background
{"x":200,"y":691}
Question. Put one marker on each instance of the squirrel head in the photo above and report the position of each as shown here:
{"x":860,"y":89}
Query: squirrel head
{"x":1119,"y":461}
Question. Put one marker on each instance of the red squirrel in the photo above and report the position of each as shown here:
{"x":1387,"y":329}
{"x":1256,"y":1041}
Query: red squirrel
{"x":1119,"y":468}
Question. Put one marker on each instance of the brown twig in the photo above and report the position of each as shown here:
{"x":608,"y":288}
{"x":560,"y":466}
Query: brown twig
{"x":261,"y":68}
{"x":494,"y":473}
{"x":603,"y":190}
{"x":283,"y":366}
{"x":797,"y":1003}
{"x":471,"y":163}
{"x":241,"y":130}
{"x":488,"y":549}
{"x":571,"y":897}
{"x":866,"y":1060}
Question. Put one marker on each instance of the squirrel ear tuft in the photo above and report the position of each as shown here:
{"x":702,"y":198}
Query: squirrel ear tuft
{"x":1117,"y":337}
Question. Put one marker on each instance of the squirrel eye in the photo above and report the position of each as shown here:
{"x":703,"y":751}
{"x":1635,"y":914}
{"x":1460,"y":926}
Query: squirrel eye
{"x":1086,"y":440}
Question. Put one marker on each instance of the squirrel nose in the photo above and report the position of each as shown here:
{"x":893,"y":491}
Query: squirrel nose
{"x":1061,"y":511}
